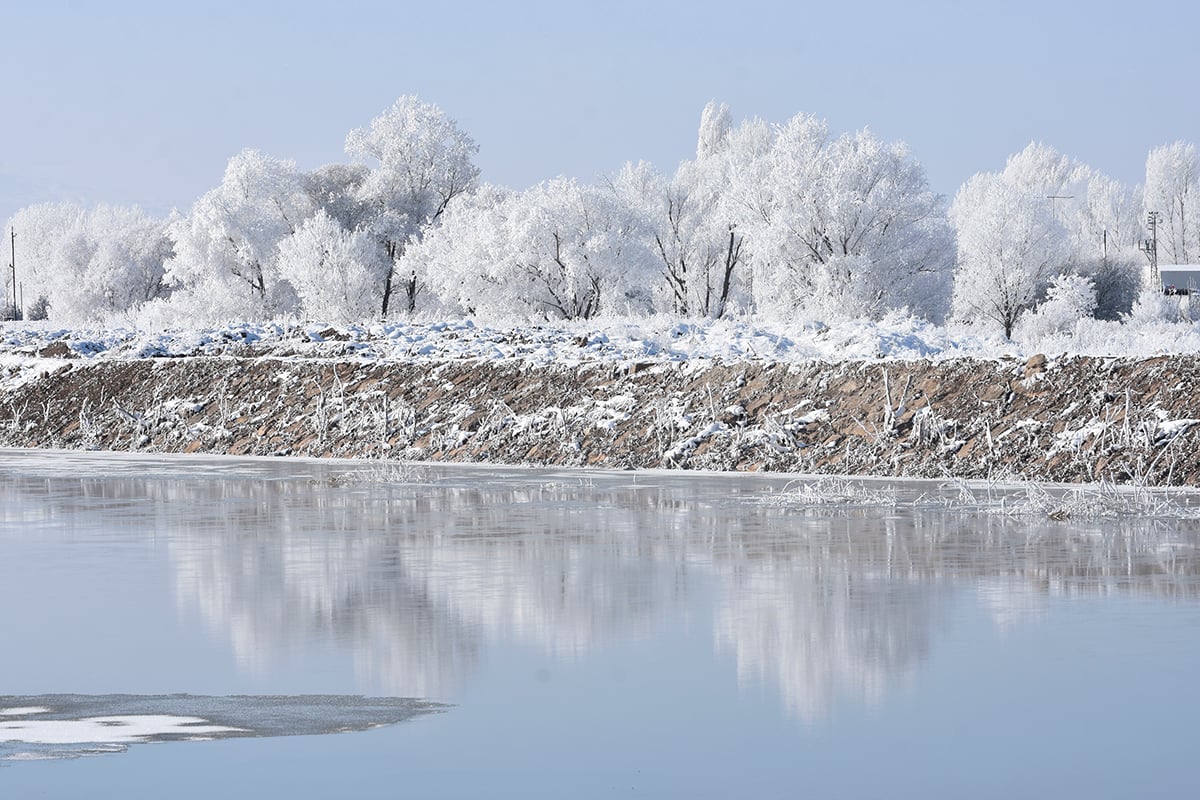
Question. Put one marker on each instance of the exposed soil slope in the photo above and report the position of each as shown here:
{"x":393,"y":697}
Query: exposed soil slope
{"x":1075,"y":419}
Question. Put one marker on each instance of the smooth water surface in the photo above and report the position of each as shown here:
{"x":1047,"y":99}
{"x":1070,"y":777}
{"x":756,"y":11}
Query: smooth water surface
{"x":594,"y":635}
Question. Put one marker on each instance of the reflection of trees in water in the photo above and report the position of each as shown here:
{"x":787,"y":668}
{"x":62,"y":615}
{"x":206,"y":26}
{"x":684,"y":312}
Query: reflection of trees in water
{"x":274,"y":589}
{"x":811,"y":620}
{"x":416,"y":580}
{"x":823,"y":604}
{"x":818,"y":604}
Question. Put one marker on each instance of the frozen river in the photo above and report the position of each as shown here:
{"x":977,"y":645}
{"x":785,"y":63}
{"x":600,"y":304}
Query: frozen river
{"x":541,"y":633}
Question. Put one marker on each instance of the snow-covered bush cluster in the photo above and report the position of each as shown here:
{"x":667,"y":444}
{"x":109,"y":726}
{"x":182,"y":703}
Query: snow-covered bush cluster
{"x":770,"y":223}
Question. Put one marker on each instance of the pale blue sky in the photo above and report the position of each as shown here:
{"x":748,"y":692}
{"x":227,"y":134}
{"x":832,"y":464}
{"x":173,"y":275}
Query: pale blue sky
{"x":143,"y":102}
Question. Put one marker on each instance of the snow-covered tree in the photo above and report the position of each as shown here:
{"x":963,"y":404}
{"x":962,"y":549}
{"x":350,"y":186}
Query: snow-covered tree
{"x":226,"y":248}
{"x":460,"y":260}
{"x":41,"y":230}
{"x":335,"y":189}
{"x":715,"y":124}
{"x":127,"y":268}
{"x":336,"y":273}
{"x":90,"y":265}
{"x":1009,"y":246}
{"x":1040,"y":169}
{"x":1173,"y":189}
{"x":699,"y":250}
{"x":1098,"y":218}
{"x":1108,"y":230}
{"x":560,"y":250}
{"x":420,"y":161}
{"x":838,"y":227}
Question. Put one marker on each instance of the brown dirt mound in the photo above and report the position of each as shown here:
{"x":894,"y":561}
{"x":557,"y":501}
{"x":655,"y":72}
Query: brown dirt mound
{"x":1073,"y":419}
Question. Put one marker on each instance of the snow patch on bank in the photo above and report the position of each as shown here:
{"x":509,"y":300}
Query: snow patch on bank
{"x":655,"y":339}
{"x":30,"y":348}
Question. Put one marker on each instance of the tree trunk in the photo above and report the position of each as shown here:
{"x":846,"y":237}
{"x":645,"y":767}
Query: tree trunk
{"x":387,"y":291}
{"x":391,"y":249}
{"x":732,"y":255}
{"x":410,"y":292}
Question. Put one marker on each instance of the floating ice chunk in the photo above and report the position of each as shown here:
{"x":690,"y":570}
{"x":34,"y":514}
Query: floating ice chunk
{"x":108,"y":730}
{"x":69,"y":726}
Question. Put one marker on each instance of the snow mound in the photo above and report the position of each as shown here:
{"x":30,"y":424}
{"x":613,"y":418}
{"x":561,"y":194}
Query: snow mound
{"x":29,"y":348}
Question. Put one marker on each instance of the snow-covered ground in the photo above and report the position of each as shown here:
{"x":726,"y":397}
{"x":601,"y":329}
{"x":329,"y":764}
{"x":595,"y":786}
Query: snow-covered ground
{"x":651,"y":339}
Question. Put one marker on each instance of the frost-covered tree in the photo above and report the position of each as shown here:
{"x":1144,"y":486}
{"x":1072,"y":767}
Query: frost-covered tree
{"x":226,"y":248}
{"x":1040,"y":169}
{"x":336,"y":273}
{"x":127,"y":267}
{"x":839,"y":227}
{"x":420,"y":161}
{"x":41,"y":230}
{"x":335,"y":189}
{"x":715,"y":124}
{"x":560,"y":250}
{"x":699,"y":250}
{"x":461,"y":259}
{"x":702,"y":249}
{"x":1099,"y":216}
{"x":1108,"y":229}
{"x":89,"y":265}
{"x":1173,"y":189}
{"x":1009,"y":246}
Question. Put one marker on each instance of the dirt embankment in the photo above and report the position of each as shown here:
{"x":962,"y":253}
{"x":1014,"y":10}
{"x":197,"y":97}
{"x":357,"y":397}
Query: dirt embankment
{"x":1076,"y":419}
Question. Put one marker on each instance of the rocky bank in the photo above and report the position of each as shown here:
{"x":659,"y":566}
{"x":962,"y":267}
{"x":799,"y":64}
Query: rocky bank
{"x":1068,"y":419}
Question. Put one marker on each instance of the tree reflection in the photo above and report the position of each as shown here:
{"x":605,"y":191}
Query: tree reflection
{"x":417,"y":576}
{"x":820,"y":619}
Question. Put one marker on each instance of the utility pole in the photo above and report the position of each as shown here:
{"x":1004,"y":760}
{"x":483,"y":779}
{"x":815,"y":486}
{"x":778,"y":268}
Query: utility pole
{"x":1150,"y":247}
{"x":12,"y":264}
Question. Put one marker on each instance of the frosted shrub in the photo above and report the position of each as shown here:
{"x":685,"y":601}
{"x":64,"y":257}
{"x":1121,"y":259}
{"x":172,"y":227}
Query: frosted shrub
{"x":1102,"y":501}
{"x":1117,"y":285}
{"x":1153,"y":306}
{"x":40,"y":310}
{"x":833,"y":491}
{"x":1069,"y":299}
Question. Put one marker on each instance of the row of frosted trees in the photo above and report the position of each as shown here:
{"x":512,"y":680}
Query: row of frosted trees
{"x":781,"y":222}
